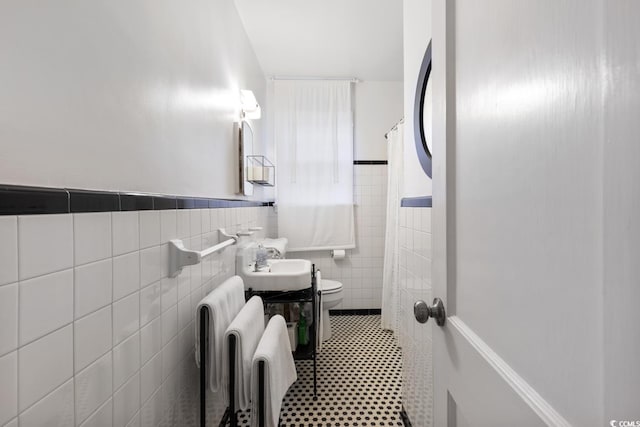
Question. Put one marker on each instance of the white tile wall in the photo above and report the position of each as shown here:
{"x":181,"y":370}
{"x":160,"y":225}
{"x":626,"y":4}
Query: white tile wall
{"x":45,"y":244}
{"x":92,"y":337}
{"x":93,"y":387}
{"x":126,"y":360}
{"x":102,"y":417}
{"x":150,"y":300}
{"x":8,"y":250}
{"x":8,"y":386}
{"x":168,"y":225}
{"x":126,"y":274}
{"x":149,"y":229}
{"x":126,"y":401}
{"x":93,"y":287}
{"x":125,"y":232}
{"x":126,"y":317}
{"x":361,"y":271}
{"x":150,"y":377}
{"x":55,"y":410}
{"x":151,"y":338}
{"x":44,"y":365}
{"x":50,"y":296}
{"x":183,"y":223}
{"x":8,"y":318}
{"x":415,"y":338}
{"x":91,"y":237}
{"x":135,"y":421}
{"x":150,"y":265}
{"x":92,"y":332}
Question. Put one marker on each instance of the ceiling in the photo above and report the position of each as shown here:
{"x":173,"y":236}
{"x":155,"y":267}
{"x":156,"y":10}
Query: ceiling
{"x":327,"y":38}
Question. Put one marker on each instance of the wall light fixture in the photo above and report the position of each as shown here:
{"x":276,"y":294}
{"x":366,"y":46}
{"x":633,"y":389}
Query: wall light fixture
{"x":250,"y":109}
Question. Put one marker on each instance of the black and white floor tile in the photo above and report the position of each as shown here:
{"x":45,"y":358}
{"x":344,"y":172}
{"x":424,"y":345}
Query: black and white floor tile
{"x":359,"y":380}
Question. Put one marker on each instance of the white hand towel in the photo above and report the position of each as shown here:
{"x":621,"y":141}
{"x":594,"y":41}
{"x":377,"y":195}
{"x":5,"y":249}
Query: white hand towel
{"x":224,"y":303}
{"x":247,"y":328}
{"x":279,"y":371}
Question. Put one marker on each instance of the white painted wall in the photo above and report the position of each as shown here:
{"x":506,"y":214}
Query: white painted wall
{"x":417,"y":33}
{"x":378,"y":106}
{"x":132,"y":96}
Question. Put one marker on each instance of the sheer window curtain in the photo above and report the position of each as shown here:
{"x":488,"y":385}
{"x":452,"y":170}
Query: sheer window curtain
{"x":313,"y":130}
{"x":390,"y":272}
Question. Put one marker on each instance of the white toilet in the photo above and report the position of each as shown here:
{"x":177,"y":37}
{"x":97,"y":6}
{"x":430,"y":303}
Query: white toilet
{"x":331,"y":297}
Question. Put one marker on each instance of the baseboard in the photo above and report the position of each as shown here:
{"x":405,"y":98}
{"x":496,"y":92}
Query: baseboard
{"x":356,"y":312}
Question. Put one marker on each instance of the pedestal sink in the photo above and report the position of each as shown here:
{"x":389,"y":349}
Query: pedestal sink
{"x":278,"y":275}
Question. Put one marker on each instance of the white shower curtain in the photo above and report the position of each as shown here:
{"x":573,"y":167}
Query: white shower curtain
{"x":313,"y":132}
{"x":390,"y":273}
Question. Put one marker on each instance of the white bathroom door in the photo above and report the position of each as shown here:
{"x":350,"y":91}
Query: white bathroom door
{"x":535,"y":239}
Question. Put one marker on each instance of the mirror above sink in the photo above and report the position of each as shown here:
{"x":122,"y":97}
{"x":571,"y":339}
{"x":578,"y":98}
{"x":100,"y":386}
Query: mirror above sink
{"x":246,"y":149}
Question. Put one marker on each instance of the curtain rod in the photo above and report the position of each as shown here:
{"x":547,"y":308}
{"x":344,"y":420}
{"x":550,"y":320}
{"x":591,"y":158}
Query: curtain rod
{"x":350,"y":79}
{"x":394,"y":127}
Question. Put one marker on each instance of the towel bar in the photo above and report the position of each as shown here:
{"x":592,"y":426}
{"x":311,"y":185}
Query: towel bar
{"x":230,"y":416}
{"x":204,"y":319}
{"x":261,"y":394}
{"x":180,"y":257}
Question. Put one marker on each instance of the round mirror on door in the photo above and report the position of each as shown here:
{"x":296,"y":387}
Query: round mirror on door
{"x":422,"y":113}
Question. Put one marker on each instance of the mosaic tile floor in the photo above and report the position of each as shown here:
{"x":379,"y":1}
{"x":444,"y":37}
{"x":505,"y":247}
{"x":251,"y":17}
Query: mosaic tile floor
{"x":359,"y":380}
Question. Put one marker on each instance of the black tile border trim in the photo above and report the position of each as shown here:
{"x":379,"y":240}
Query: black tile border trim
{"x":370,"y":162}
{"x":17,"y":200}
{"x":22,"y":200}
{"x":135,"y":202}
{"x":416,"y":202}
{"x":356,"y":312}
{"x":93,"y":201}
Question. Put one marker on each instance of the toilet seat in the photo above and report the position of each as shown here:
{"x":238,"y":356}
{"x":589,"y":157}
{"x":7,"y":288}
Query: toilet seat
{"x":329,"y":286}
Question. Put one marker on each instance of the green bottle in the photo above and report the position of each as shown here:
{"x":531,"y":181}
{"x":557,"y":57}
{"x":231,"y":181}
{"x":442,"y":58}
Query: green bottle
{"x":302,"y":331}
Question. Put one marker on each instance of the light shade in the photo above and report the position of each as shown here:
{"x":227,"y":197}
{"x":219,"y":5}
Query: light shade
{"x":249,"y":105}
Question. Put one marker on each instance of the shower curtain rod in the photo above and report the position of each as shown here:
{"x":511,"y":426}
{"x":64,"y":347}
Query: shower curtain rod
{"x":394,"y":127}
{"x":349,"y":79}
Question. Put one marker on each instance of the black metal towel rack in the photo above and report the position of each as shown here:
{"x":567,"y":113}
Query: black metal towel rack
{"x":230,"y":414}
{"x":312,"y":295}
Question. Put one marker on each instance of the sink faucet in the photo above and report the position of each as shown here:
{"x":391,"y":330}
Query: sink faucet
{"x":261,"y":258}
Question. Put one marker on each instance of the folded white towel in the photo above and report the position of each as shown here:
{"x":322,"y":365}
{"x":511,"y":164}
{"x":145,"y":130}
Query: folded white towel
{"x":280,"y":244}
{"x":247,"y":328}
{"x":224,"y":303}
{"x":279,"y":371}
